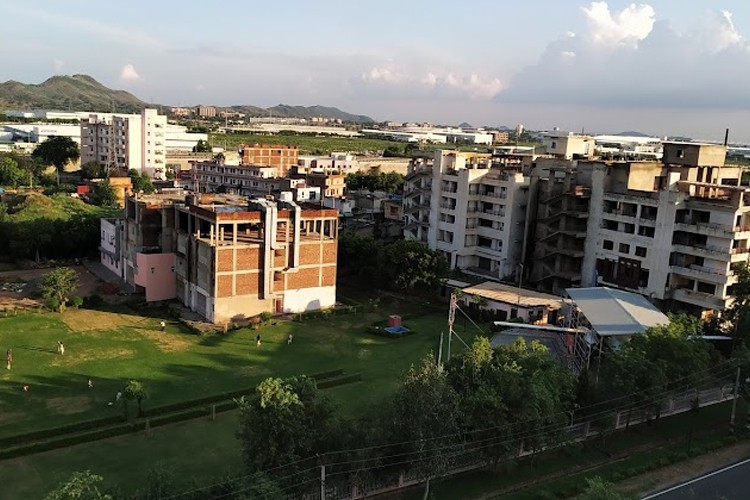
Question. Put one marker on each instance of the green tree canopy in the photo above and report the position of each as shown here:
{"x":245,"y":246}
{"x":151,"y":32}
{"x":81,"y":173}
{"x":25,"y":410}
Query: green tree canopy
{"x":92,"y":170}
{"x":202,"y":147}
{"x":391,"y":182}
{"x":135,"y":391}
{"x":410,"y":264}
{"x":59,"y":284}
{"x":81,"y":486}
{"x":141,"y":182}
{"x":11,"y":174}
{"x":104,"y":195}
{"x":57,"y":151}
{"x":284,"y":421}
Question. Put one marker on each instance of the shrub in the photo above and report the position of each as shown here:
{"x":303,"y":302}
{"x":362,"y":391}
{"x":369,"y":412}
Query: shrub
{"x":93,"y":301}
{"x":53,"y":304}
{"x":266,"y":316}
{"x":76,"y":302}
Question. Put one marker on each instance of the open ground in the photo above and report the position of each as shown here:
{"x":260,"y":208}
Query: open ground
{"x":111,"y":346}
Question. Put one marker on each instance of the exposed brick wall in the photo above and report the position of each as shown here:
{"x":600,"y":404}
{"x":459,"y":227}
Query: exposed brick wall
{"x":248,"y":283}
{"x":224,"y":286}
{"x":329,"y":276}
{"x":248,"y":258}
{"x":309,"y":253}
{"x":330,"y":249}
{"x":304,"y":278}
{"x":225,"y":259}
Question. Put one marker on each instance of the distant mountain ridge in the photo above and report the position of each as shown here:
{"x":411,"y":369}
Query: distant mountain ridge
{"x":63,"y":92}
{"x":288,"y":111}
{"x":84,"y":93}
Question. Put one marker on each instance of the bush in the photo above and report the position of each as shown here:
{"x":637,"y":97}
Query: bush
{"x":53,"y":304}
{"x":76,"y":302}
{"x":93,"y":301}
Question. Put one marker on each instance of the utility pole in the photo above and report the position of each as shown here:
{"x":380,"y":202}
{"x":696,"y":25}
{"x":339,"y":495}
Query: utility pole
{"x":322,"y":482}
{"x":734,"y":399}
{"x":440,"y":351}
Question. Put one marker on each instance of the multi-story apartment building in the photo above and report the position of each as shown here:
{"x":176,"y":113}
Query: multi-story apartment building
{"x":206,"y":111}
{"x":671,"y":230}
{"x":125,"y":141}
{"x":476,"y":211}
{"x":229,"y":258}
{"x":416,"y":200}
{"x":250,"y":180}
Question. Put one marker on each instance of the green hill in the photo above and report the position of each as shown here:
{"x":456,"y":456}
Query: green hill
{"x":75,"y":93}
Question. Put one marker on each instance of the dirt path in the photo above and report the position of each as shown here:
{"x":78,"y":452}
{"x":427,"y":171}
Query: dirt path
{"x":685,"y":470}
{"x":88,"y":285}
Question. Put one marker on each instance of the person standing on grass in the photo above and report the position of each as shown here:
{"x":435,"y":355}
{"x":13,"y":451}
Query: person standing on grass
{"x":8,"y":358}
{"x":163,"y":325}
{"x":257,"y":340}
{"x":60,"y":347}
{"x":289,"y":339}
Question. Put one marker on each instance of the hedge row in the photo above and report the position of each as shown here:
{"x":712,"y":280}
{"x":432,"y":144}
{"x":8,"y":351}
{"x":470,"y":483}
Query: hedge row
{"x":163,"y":419}
{"x":153,"y":412}
{"x":335,"y":382}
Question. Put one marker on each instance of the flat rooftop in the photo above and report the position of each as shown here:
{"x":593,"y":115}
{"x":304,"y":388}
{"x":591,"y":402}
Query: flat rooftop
{"x":510,"y":294}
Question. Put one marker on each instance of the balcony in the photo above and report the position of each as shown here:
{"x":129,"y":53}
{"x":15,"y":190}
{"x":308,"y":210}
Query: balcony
{"x":707,"y":228}
{"x":716,"y":253}
{"x":494,"y":195}
{"x":705,"y":300}
{"x":709,"y":274}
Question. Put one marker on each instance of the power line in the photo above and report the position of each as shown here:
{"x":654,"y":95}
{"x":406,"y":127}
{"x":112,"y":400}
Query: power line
{"x":533,"y":432}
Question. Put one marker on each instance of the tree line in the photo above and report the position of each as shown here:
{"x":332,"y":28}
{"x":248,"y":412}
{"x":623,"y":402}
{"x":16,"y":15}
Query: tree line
{"x":484,"y":403}
{"x":391,"y":182}
{"x":404,"y":265}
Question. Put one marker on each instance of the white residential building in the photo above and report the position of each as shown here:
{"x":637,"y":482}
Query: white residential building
{"x":126,"y":141}
{"x":473,"y":208}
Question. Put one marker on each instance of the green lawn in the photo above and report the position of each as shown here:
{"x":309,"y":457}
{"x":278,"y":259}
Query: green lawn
{"x":109,"y":348}
{"x":308,"y":144}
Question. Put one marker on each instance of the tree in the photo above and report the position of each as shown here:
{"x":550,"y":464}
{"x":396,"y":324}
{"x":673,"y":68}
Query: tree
{"x":424,"y":408}
{"x":141,"y":182}
{"x":10,"y":173}
{"x":59,"y":284}
{"x":202,"y":147}
{"x":57,"y":151}
{"x":92,"y":170}
{"x":80,"y":486}
{"x":104,"y":195}
{"x":599,"y":489}
{"x":284,"y":421}
{"x":410,"y":264}
{"x":135,"y":391}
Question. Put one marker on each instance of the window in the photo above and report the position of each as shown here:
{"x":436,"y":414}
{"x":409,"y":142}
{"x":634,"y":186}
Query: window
{"x":640,"y":251}
{"x":680,"y":153}
{"x":608,"y":245}
{"x":624,"y":248}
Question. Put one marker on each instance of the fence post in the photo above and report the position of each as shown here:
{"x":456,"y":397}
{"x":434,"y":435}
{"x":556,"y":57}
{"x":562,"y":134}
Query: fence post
{"x":322,"y":482}
{"x":213,"y":412}
{"x":148,"y":427}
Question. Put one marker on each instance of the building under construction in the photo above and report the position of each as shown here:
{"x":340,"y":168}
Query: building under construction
{"x":229,"y":258}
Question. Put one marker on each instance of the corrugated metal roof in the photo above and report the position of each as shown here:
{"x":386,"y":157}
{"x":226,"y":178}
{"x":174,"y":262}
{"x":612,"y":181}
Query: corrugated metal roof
{"x":615,"y":312}
{"x":513,"y":295}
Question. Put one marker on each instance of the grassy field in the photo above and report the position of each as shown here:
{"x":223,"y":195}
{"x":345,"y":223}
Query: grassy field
{"x":111,"y":347}
{"x":308,"y":144}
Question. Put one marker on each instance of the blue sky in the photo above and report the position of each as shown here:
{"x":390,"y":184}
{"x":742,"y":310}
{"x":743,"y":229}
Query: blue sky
{"x":661,"y":67}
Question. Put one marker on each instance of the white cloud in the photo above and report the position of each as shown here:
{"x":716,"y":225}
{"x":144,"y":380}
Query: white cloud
{"x":626,"y":27}
{"x":129,"y":74}
{"x":471,"y":86}
{"x":627,"y":59}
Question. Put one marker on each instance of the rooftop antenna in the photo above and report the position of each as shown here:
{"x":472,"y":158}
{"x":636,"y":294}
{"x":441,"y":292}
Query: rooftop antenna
{"x":726,"y":137}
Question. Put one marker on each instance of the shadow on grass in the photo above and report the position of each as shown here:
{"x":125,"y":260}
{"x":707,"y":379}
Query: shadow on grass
{"x":37,"y":348}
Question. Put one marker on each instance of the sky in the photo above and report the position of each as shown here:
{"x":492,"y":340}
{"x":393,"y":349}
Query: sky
{"x":664,"y":67}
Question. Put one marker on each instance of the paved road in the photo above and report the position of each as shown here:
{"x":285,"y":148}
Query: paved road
{"x":729,"y":483}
